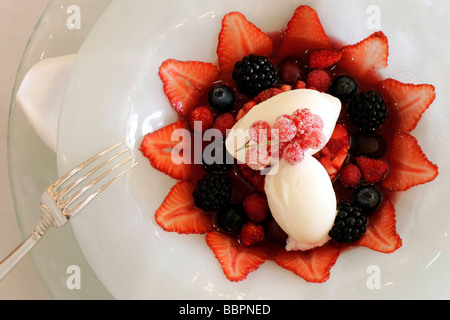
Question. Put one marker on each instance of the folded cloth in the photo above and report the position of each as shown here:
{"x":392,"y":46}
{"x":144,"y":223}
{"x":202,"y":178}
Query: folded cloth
{"x":41,"y":93}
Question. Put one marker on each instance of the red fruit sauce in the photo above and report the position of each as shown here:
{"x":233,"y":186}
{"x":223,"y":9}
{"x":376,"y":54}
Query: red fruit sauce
{"x":242,"y":187}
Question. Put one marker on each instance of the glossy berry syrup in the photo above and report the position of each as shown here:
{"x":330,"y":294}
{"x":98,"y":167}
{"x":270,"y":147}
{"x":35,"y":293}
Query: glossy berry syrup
{"x":242,"y":186}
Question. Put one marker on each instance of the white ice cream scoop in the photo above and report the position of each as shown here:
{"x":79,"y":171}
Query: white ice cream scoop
{"x":303,"y":202}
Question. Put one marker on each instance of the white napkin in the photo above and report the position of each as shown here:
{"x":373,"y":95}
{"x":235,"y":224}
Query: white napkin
{"x":41,"y":93}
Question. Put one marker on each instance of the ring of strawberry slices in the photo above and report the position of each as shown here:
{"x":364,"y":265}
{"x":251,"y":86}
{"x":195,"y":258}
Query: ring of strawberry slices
{"x":404,"y":165}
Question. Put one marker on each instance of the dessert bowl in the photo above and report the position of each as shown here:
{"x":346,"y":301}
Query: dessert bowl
{"x":114,"y":94}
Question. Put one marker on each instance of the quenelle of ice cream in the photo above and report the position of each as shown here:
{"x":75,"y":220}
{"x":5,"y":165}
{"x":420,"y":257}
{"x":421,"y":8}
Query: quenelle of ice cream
{"x":301,"y":197}
{"x":322,"y":104}
{"x":302,"y":201}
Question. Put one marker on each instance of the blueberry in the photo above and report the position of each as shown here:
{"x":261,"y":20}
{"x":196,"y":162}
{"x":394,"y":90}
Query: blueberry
{"x":344,"y":88}
{"x":232,"y":218}
{"x":368,"y":198}
{"x":221,"y":98}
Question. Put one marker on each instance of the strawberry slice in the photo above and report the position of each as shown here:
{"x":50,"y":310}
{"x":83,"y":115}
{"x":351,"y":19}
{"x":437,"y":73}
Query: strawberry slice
{"x":185,"y":82}
{"x":157,"y":147}
{"x":239,"y":38}
{"x":304,"y":32}
{"x":178,"y":213}
{"x":237,"y":261}
{"x":381,"y":234}
{"x":366,"y":57}
{"x":408,"y":100}
{"x":335,"y":152}
{"x":324,"y":58}
{"x":373,"y":170}
{"x":313,"y":265}
{"x":408,"y":165}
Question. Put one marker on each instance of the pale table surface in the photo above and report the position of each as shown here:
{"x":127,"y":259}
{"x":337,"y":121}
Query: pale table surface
{"x":17,"y":20}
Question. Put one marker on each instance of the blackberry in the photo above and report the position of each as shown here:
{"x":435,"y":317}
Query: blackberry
{"x":367,"y":110}
{"x":212,"y":192}
{"x":350,"y":223}
{"x":219,"y":160}
{"x":254,"y":74}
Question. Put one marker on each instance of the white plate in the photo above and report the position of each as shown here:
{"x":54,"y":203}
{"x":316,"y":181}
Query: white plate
{"x":115,"y":94}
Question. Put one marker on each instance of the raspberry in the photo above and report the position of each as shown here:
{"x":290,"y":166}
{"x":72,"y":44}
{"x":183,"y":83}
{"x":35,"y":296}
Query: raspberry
{"x":303,"y":119}
{"x":256,"y":207}
{"x":224,"y":122}
{"x":315,"y":139}
{"x":203,"y":115}
{"x":350,"y":175}
{"x":251,"y":233}
{"x":319,"y":79}
{"x":259,"y":131}
{"x":294,"y":153}
{"x":286,"y":128}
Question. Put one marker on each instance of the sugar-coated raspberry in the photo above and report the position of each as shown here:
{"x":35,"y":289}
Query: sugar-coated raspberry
{"x":293,"y":154}
{"x":256,"y":207}
{"x":317,"y":122}
{"x":277,"y":147}
{"x":315,"y":139}
{"x":350,"y":175}
{"x":257,"y":157}
{"x":303,"y":119}
{"x":259,"y":131}
{"x":285,"y":128}
{"x":300,"y":139}
{"x":251,"y":233}
{"x":224,"y":122}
